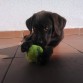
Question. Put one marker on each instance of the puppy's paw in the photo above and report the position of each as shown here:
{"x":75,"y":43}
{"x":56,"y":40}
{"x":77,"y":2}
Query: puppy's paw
{"x":25,"y":46}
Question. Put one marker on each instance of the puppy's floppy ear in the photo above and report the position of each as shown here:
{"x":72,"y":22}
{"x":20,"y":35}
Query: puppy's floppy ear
{"x":58,"y":23}
{"x":29,"y":23}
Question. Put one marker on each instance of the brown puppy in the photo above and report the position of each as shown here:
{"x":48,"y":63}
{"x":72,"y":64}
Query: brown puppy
{"x":46,"y":30}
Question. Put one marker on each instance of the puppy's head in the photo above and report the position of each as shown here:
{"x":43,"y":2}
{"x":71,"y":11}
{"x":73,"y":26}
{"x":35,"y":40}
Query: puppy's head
{"x":43,"y":25}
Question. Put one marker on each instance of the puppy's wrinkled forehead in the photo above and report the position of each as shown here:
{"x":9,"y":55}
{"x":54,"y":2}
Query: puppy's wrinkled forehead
{"x":41,"y":20}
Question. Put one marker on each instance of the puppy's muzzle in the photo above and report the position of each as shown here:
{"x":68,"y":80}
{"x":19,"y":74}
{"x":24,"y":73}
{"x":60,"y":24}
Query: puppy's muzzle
{"x":42,"y":39}
{"x":39,"y":39}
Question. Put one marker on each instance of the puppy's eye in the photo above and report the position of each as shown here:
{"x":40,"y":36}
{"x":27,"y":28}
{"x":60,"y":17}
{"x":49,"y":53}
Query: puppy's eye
{"x":46,"y":29}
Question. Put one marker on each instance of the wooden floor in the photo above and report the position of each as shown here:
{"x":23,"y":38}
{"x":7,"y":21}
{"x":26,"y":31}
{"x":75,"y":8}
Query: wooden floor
{"x":65,"y":66}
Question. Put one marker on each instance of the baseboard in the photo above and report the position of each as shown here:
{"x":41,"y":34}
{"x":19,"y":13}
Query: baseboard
{"x":73,"y":31}
{"x":21,"y":34}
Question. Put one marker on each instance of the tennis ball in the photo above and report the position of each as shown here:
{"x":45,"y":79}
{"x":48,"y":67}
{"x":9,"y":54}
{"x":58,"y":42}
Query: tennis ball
{"x":33,"y":53}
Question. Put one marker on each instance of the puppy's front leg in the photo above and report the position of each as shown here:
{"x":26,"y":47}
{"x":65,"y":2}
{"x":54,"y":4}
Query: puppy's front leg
{"x":25,"y":46}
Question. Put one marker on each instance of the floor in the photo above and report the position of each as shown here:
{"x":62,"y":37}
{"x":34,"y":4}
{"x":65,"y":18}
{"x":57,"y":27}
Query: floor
{"x":65,"y":66}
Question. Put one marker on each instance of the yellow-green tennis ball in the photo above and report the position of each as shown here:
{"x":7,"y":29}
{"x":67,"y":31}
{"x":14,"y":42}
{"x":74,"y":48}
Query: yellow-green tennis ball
{"x":33,"y":53}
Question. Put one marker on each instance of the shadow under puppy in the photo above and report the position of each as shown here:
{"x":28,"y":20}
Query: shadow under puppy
{"x":46,"y":30}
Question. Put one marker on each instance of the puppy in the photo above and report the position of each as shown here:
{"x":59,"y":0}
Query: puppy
{"x":46,"y":30}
